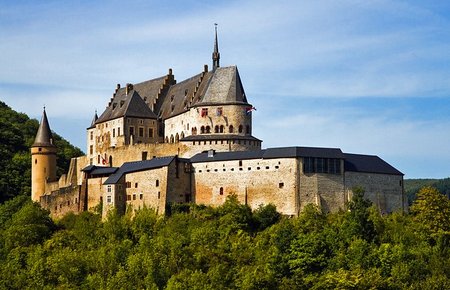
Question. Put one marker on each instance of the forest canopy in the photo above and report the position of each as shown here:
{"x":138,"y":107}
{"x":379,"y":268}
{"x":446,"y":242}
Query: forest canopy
{"x":17,"y":133}
{"x":228,"y":247}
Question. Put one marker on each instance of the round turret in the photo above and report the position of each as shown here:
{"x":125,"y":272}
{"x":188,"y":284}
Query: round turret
{"x":43,"y":159}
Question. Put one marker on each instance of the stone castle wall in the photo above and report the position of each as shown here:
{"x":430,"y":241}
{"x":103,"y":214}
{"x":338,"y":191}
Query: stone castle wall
{"x":148,"y":188}
{"x":384,"y":190}
{"x":219,"y":119}
{"x":255,"y":182}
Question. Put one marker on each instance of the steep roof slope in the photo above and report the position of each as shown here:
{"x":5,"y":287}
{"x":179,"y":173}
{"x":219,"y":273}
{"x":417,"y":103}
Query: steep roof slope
{"x":44,"y":137}
{"x":368,"y":164}
{"x":225,"y":87}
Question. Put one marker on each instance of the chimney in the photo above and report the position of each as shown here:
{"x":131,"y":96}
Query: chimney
{"x":205,"y":68}
{"x":170,"y":71}
{"x":117,"y":87}
{"x":128,"y":88}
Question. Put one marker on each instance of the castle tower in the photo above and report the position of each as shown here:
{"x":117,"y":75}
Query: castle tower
{"x":216,"y":54}
{"x":43,"y":159}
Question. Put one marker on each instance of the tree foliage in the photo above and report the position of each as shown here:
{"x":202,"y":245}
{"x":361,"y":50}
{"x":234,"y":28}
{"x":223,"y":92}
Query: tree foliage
{"x":228,"y":247}
{"x":17,"y":133}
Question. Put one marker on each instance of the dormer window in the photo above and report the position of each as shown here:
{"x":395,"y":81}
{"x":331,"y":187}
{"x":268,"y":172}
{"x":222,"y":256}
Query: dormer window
{"x":121,"y":103}
{"x":114,"y":105}
{"x":172,"y":97}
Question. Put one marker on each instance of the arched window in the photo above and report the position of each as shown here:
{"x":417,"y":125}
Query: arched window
{"x":167,"y":139}
{"x":202,"y":129}
{"x":241,"y":128}
{"x":171,"y":139}
{"x":221,"y":191}
{"x":221,"y":129}
{"x":231,"y":129}
{"x":216,"y":129}
{"x":208,"y":129}
{"x":194,"y":130}
{"x":182,"y":135}
{"x":110,"y":161}
{"x":177,"y":138}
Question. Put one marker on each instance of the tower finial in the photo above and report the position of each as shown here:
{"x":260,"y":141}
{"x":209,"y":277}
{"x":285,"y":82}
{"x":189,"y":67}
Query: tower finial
{"x":216,"y":54}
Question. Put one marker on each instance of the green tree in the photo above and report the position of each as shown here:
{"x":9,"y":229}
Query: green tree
{"x":431,"y":210}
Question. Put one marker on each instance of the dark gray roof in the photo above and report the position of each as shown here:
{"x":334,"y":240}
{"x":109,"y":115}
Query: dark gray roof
{"x":183,"y":95}
{"x":44,"y":137}
{"x":164,"y":98}
{"x":94,"y":120}
{"x":99,"y":170}
{"x":318,"y":152}
{"x":123,"y":105}
{"x":135,"y":166}
{"x":369,"y":164}
{"x":270,"y":153}
{"x":207,"y":137}
{"x":225,"y":87}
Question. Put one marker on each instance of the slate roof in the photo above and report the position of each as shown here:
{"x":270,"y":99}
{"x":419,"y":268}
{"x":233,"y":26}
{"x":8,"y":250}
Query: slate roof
{"x":368,"y":164}
{"x":44,"y":137}
{"x":179,"y":96}
{"x":99,"y":170}
{"x":167,"y":98}
{"x":225,"y":87}
{"x":270,"y":153}
{"x":136,"y":166}
{"x":123,"y":105}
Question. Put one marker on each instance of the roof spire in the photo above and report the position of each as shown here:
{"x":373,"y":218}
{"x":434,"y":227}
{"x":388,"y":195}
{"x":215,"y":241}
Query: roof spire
{"x":94,"y":119}
{"x":44,"y":137}
{"x":216,"y":54}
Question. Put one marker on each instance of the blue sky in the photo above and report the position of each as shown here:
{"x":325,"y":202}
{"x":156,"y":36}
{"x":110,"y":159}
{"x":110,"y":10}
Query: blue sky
{"x":368,"y":77}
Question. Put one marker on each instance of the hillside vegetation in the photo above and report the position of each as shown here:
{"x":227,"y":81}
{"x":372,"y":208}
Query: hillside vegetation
{"x":17,"y":133}
{"x":412,"y":186}
{"x":229,"y":247}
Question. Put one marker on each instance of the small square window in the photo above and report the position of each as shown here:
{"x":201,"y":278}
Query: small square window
{"x":281,"y":185}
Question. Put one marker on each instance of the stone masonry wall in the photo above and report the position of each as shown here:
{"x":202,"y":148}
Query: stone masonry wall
{"x":62,"y":201}
{"x":148,"y":188}
{"x":384,"y":190}
{"x":230,"y":115}
{"x":255,"y":182}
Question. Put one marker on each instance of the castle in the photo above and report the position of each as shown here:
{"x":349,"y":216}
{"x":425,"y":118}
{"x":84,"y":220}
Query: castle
{"x":160,"y":142}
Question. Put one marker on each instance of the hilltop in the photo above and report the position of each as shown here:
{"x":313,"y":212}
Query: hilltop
{"x":17,"y":133}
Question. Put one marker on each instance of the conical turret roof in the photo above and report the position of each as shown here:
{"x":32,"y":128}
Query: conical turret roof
{"x":44,"y":137}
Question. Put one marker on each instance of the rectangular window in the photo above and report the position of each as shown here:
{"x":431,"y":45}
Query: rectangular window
{"x":131,"y":130}
{"x":144,"y":155}
{"x":308,"y":165}
{"x":141,"y":132}
{"x":204,"y":112}
{"x":150,"y":132}
{"x":108,"y":199}
{"x":128,"y":197}
{"x":114,"y":132}
{"x":134,"y":196}
{"x":92,"y":135}
{"x":109,"y":188}
{"x":141,"y":196}
{"x":118,"y":131}
{"x":135,"y":185}
{"x":219,"y":111}
{"x":91,"y":149}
